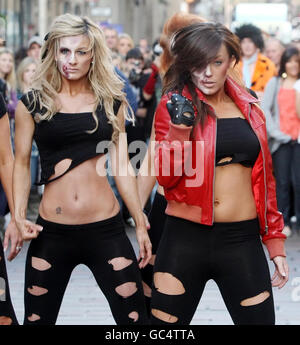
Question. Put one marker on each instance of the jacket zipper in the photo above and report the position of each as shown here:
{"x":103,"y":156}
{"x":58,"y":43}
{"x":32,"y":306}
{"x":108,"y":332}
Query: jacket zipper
{"x":214,"y":163}
{"x":264,"y":166}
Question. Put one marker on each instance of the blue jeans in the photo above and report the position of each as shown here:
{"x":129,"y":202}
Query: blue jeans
{"x":286,"y":163}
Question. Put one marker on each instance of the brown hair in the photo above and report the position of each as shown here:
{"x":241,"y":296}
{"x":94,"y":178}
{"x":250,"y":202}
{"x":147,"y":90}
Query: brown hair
{"x":194,"y":47}
{"x":172,"y":25}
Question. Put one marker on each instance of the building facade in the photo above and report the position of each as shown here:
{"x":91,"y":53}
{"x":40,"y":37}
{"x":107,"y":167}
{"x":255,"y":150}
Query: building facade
{"x":139,"y":18}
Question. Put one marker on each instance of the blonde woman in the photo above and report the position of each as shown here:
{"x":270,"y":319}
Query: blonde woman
{"x":125,"y":43}
{"x":25,"y":73}
{"x":76,"y":106}
{"x":7,"y":73}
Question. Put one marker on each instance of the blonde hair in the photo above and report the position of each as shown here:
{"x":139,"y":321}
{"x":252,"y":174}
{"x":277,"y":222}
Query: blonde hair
{"x":104,"y":82}
{"x":10,"y":78}
{"x":21,"y":69}
{"x":127,"y":37}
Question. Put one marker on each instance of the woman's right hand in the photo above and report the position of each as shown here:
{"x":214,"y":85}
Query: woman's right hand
{"x":28,"y":229}
{"x":181,"y":110}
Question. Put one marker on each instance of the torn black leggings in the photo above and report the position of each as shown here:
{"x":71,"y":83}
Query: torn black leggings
{"x":231,"y":254}
{"x":7,"y":313}
{"x":103,"y":247}
{"x":157,"y":218}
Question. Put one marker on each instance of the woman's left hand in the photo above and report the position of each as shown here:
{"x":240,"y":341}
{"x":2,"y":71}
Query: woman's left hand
{"x":145,"y":245}
{"x":281,"y":274}
{"x":13,"y":235}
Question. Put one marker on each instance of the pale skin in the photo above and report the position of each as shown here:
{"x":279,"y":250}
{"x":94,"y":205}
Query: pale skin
{"x":68,"y":200}
{"x":234,"y":200}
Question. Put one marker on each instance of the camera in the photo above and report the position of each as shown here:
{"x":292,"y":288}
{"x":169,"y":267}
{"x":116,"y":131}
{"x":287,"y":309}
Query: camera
{"x":157,"y":49}
{"x":134,"y":75}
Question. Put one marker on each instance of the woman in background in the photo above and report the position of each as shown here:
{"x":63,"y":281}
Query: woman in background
{"x":281,"y":104}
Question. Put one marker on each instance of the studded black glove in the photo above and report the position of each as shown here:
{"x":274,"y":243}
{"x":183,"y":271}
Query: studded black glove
{"x":177,"y":107}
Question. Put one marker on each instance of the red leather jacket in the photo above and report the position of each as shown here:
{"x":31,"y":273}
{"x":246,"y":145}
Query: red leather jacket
{"x":190,"y":191}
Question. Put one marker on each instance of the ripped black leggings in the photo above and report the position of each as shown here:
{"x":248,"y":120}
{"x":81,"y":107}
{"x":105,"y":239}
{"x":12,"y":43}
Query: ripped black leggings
{"x":157,"y":218}
{"x":231,"y":254}
{"x":7,"y":313}
{"x":103,"y":247}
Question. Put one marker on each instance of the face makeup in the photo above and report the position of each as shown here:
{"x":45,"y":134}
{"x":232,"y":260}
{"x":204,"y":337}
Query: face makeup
{"x":212,"y":78}
{"x":74,"y":58}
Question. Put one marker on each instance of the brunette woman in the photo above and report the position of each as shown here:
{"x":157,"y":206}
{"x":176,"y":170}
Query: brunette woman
{"x":212,"y":159}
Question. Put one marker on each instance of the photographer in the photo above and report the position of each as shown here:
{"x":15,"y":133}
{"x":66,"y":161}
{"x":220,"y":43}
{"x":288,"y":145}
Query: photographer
{"x":138,"y":77}
{"x":153,"y":85}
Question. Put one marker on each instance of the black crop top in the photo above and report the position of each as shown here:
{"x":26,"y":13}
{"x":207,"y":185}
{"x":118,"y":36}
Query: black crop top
{"x":65,"y":137}
{"x":237,"y":141}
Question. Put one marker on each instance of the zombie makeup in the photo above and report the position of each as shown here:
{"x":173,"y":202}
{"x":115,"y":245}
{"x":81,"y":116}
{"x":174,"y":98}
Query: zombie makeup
{"x":211,"y":79}
{"x":74,"y":58}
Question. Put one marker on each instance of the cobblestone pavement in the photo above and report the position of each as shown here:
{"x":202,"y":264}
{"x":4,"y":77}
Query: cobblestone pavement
{"x":84,"y":303}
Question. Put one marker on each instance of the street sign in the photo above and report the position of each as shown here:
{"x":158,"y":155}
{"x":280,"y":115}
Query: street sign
{"x":101,"y":11}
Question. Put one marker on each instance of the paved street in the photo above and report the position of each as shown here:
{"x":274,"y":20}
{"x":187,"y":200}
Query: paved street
{"x":84,"y":303}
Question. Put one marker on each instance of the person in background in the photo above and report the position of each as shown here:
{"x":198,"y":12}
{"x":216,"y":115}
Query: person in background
{"x":25,"y":74}
{"x":137,"y":78}
{"x":7,"y":73}
{"x":111,"y":38}
{"x":145,"y":49}
{"x":34,"y":47}
{"x":153,"y":85}
{"x":117,"y":60}
{"x":281,"y":104}
{"x":256,"y":68}
{"x":125,"y":43}
{"x":273,"y":50}
{"x":143,"y":45}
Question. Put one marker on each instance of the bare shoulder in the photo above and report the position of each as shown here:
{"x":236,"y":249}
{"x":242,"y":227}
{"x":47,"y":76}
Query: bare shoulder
{"x":22,"y":111}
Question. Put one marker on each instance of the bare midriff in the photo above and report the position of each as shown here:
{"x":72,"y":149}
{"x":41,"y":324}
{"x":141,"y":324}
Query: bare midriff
{"x":81,"y":196}
{"x":233,"y":196}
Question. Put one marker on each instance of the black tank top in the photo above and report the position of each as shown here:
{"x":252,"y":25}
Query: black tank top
{"x":65,"y":137}
{"x":237,"y":141}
